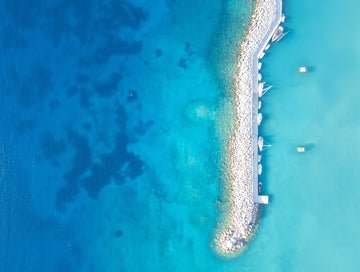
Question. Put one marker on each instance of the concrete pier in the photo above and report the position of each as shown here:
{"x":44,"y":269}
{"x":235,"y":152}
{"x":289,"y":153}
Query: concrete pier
{"x":261,"y":199}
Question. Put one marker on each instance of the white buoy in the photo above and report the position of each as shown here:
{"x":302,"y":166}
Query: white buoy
{"x":303,"y":69}
{"x":301,"y":149}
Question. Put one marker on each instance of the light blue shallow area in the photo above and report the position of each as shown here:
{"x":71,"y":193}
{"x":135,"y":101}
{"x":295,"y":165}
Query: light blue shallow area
{"x":311,"y":223}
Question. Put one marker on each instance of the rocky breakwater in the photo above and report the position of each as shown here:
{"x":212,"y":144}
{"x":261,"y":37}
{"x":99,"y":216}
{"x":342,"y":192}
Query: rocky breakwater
{"x":235,"y":232}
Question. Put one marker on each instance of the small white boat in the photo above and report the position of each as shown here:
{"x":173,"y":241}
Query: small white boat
{"x":261,"y":143}
{"x":259,"y":169}
{"x":303,"y":69}
{"x":262,"y":90}
{"x":259,"y":107}
{"x":278,"y":35}
{"x":259,"y":118}
{"x":259,"y":76}
{"x":259,"y":65}
{"x":259,"y":158}
{"x":267,"y":46}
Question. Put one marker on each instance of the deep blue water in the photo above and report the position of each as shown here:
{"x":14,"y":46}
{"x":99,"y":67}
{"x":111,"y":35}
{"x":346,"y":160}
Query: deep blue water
{"x":109,"y":144}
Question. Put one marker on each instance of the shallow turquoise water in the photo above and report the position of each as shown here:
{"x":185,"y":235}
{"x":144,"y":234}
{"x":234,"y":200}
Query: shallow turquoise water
{"x":311,"y":223}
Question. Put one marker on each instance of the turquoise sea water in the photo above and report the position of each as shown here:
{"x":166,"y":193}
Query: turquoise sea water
{"x":312,"y":221}
{"x":112,"y":123}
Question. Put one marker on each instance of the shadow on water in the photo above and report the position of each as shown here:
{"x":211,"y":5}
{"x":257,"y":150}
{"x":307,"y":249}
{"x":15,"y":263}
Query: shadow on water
{"x":309,"y":146}
{"x":311,"y":69}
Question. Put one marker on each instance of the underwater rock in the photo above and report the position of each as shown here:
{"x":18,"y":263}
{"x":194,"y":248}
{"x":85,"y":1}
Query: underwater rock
{"x":199,"y":111}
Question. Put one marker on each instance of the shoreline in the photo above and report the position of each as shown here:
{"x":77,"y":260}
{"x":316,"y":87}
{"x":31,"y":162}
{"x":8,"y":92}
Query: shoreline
{"x":242,"y":174}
